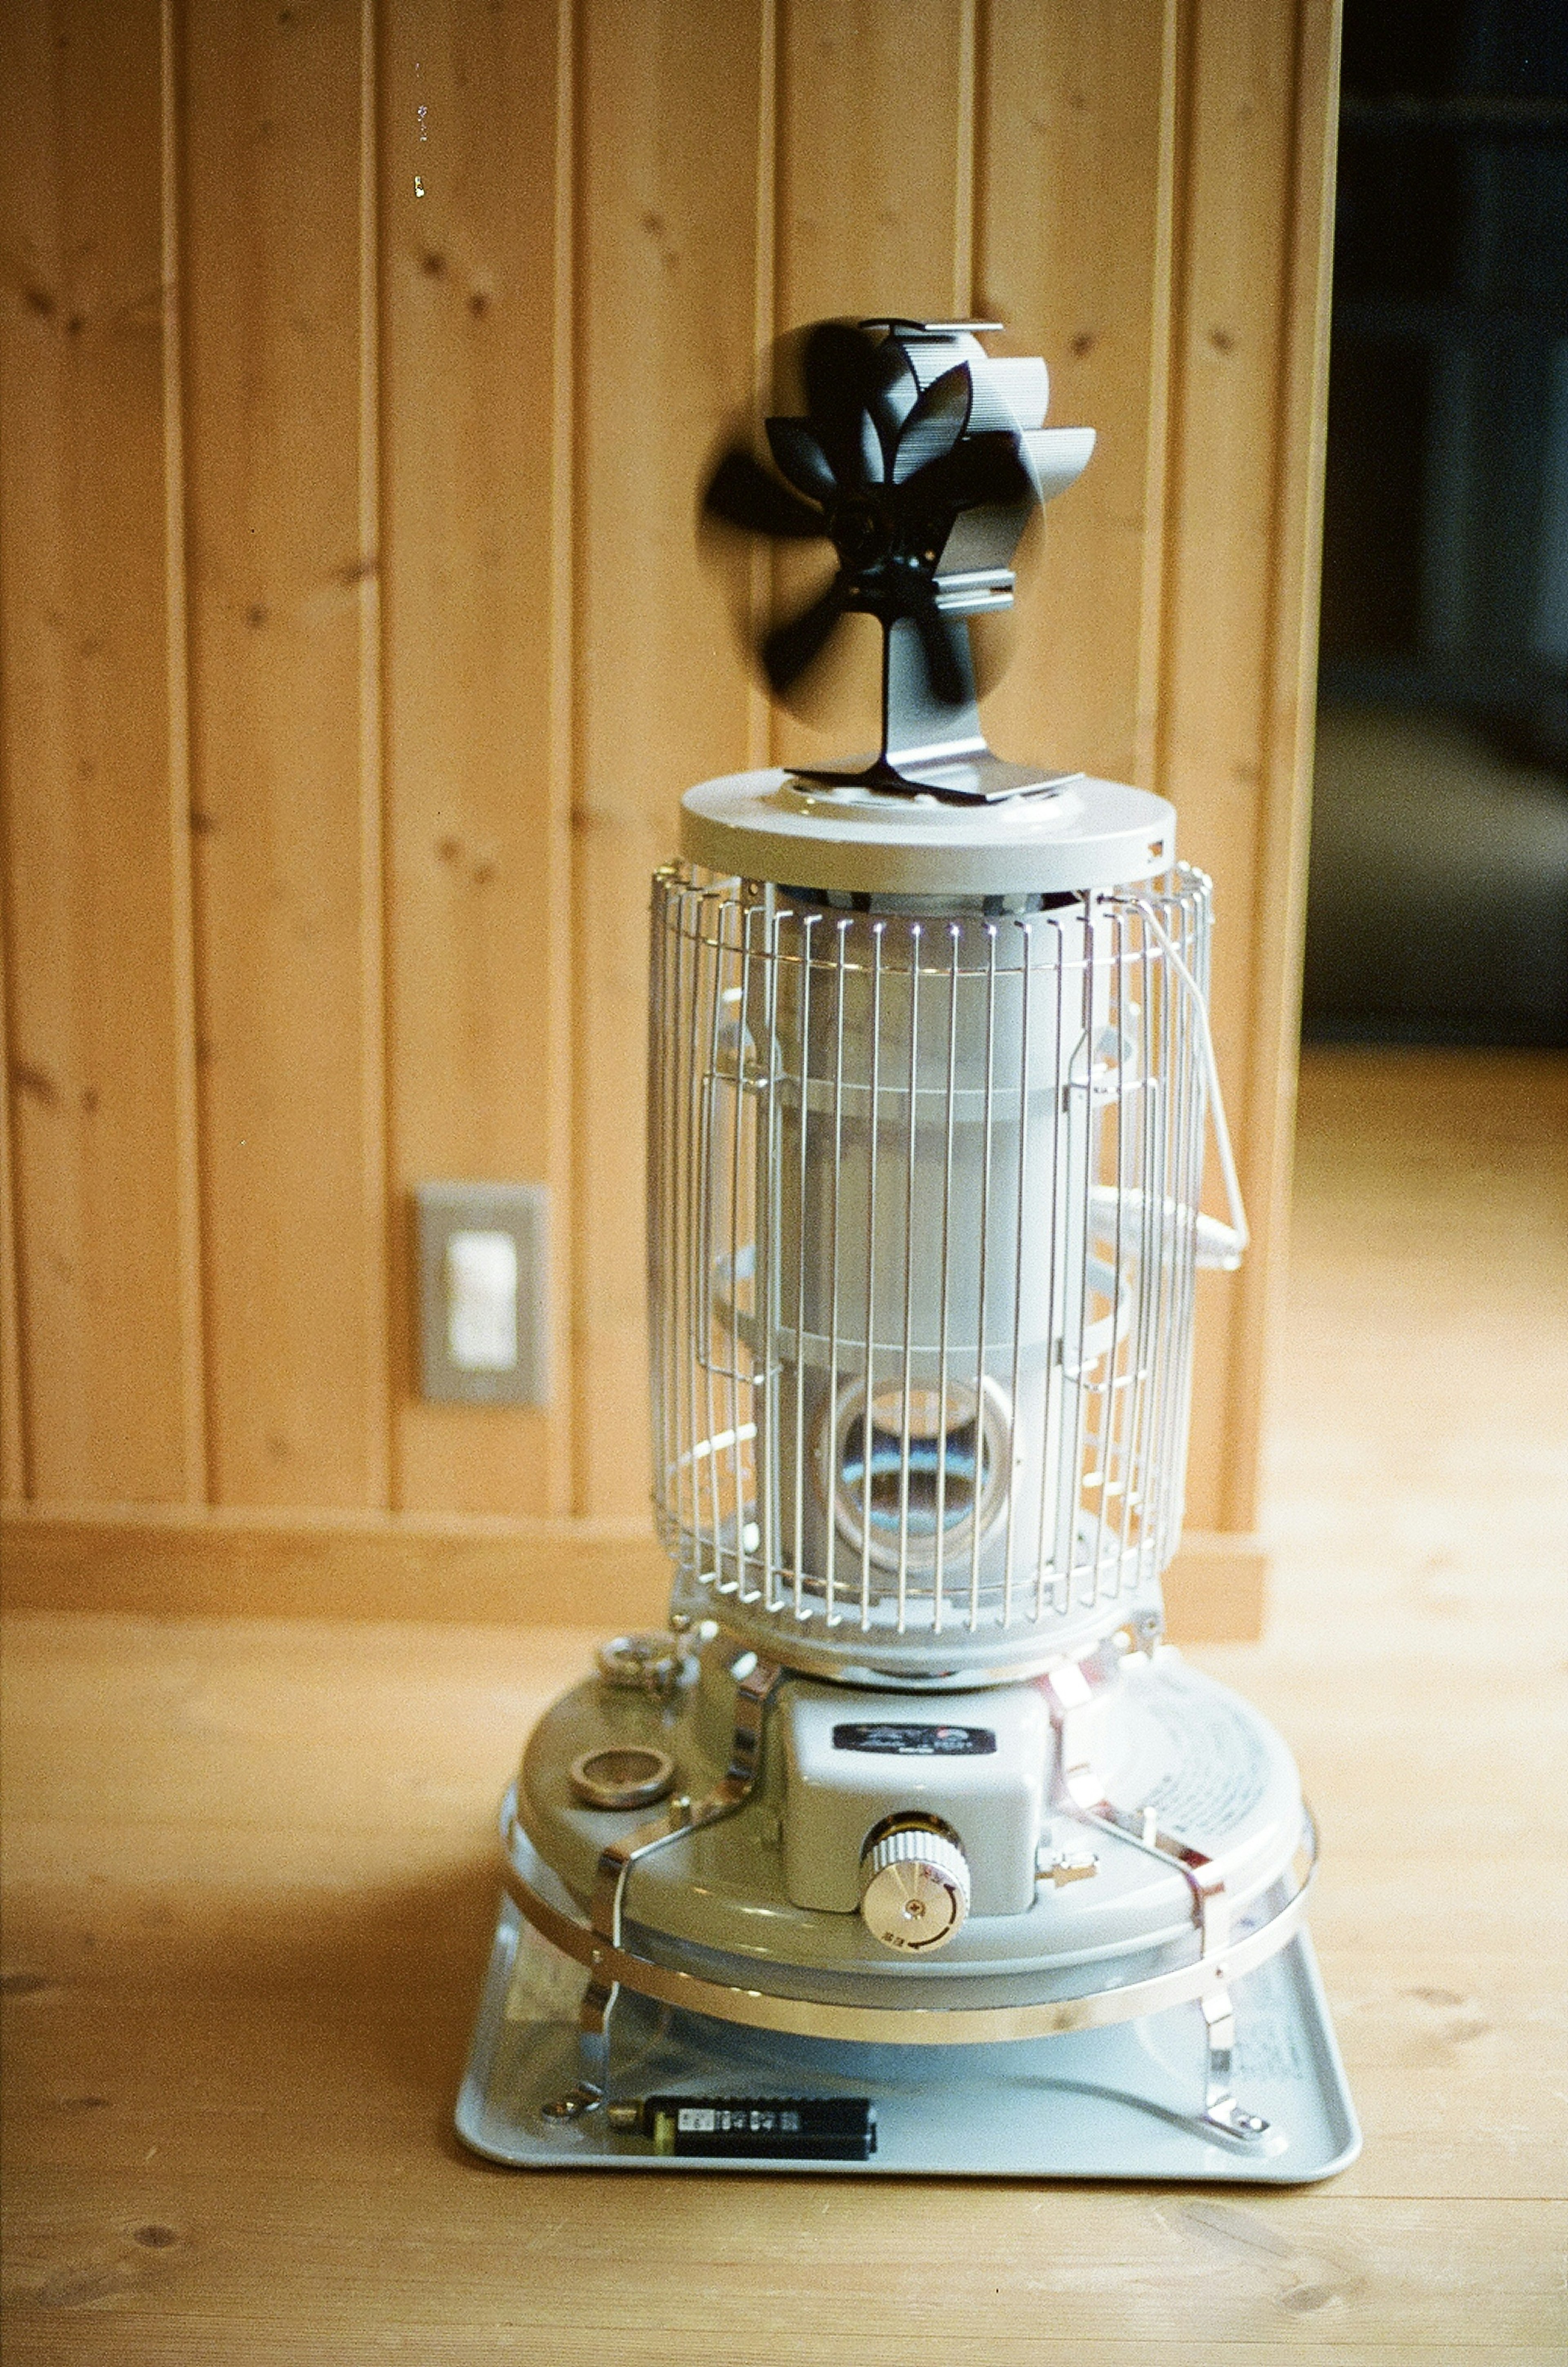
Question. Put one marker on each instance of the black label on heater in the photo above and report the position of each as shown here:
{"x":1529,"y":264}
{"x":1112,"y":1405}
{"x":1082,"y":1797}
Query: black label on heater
{"x":917,"y":1742}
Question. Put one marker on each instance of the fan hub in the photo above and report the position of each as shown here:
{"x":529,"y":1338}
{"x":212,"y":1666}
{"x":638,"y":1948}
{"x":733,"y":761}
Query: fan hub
{"x":890,"y":559}
{"x":861,"y":531}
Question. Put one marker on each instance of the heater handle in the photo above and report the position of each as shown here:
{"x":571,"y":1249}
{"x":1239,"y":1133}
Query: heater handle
{"x":1227,"y":1244}
{"x":754,"y":1687}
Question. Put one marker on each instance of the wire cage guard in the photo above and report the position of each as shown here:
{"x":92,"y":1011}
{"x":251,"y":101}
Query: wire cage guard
{"x":924,"y":1221}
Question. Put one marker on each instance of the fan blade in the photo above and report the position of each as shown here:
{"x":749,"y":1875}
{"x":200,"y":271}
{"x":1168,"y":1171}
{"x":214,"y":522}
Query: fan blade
{"x":894,"y":393}
{"x":802,"y":459}
{"x":983,"y":471}
{"x":944,"y":672}
{"x":935,"y":423}
{"x":790,"y":648}
{"x":839,"y":370}
{"x":743,"y":494}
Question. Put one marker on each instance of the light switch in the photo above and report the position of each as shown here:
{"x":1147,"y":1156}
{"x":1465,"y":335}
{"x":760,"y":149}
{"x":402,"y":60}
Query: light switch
{"x":481,"y":1302}
{"x":483,"y":1293}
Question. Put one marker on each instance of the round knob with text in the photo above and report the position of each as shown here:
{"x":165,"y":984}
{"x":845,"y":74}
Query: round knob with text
{"x":914,"y":1885}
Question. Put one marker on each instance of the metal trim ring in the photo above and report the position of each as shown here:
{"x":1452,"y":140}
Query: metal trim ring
{"x":911,"y":2025}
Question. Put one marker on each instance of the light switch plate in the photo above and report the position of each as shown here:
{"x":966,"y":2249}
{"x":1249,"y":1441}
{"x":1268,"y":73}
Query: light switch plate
{"x":522,"y":1212}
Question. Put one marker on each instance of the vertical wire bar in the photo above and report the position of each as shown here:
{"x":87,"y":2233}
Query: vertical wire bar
{"x":1043,"y":1450}
{"x":1069,"y":1005}
{"x":1172,"y":1250}
{"x":1191,"y":1123}
{"x":1097,"y":1396}
{"x":678,"y":1351}
{"x":1087,"y":1161}
{"x":680,"y":1312}
{"x":1046,"y":1332}
{"x":1049,"y":1451}
{"x":986,"y":1149}
{"x":746,"y":954}
{"x":1201,"y":937}
{"x":654,"y":1237}
{"x":913,"y":945}
{"x":714,"y":948}
{"x":830,"y":1433}
{"x":873,"y":1113}
{"x":1150,"y":1208}
{"x":1112,"y":1475}
{"x":1023,"y":929}
{"x":692,"y":1104}
{"x":807,"y":949}
{"x":938,"y":1578}
{"x":1056,"y":1300}
{"x":1164,"y":1313}
{"x":1190,"y":1097}
{"x":659,"y":1244}
{"x":1061,"y":1136}
{"x":1109,"y":1154}
{"x":1158,"y":1187}
{"x":686,"y":1085}
{"x":1181,"y":1194}
{"x":675,"y":1308}
{"x":766,"y":1228}
{"x":1175,"y":1118}
{"x":1195,"y":1100}
{"x":1167,"y":1311}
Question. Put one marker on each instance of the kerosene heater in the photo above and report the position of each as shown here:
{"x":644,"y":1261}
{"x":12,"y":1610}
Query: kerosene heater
{"x":910,"y":1847}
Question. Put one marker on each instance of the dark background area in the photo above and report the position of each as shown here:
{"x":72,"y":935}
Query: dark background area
{"x":1438,"y":907}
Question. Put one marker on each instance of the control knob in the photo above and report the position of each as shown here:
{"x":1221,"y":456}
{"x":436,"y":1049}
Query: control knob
{"x":914,"y":1885}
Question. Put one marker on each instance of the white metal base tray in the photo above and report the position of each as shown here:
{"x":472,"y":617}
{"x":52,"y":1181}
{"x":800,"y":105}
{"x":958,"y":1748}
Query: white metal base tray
{"x":1119,"y":2102}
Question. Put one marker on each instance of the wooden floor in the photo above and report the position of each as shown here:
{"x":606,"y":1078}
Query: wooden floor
{"x":249,"y":1893}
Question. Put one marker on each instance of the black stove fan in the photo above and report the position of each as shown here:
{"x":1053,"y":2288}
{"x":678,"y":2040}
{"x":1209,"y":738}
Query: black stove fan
{"x":920,"y":458}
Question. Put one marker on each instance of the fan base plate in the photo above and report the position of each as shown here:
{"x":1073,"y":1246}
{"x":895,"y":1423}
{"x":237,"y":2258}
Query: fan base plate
{"x":976,"y":779}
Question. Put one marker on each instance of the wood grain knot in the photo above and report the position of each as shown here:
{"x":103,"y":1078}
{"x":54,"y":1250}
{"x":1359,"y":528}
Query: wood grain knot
{"x":71,"y":2288}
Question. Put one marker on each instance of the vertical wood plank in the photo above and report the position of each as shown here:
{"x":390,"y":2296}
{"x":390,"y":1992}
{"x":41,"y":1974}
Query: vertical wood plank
{"x":1239,"y":536}
{"x":187,"y":1177}
{"x":875,"y":213}
{"x":671,"y":105}
{"x":874,"y":138}
{"x":13,"y":1425}
{"x":476,"y":118}
{"x":281,"y":602}
{"x":374,"y":1062}
{"x":1278,"y":886}
{"x":1077,"y":147}
{"x":96,"y":844}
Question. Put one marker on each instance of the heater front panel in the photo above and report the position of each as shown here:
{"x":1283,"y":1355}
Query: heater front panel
{"x":923,"y":1227}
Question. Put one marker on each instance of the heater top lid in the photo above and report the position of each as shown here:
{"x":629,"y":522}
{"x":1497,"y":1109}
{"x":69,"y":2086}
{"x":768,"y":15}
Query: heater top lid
{"x":771,"y":825}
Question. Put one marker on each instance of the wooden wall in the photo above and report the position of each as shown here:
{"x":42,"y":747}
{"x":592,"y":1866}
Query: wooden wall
{"x":360,"y":359}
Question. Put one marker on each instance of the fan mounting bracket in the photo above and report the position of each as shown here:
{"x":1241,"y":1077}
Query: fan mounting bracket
{"x":929,"y":748}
